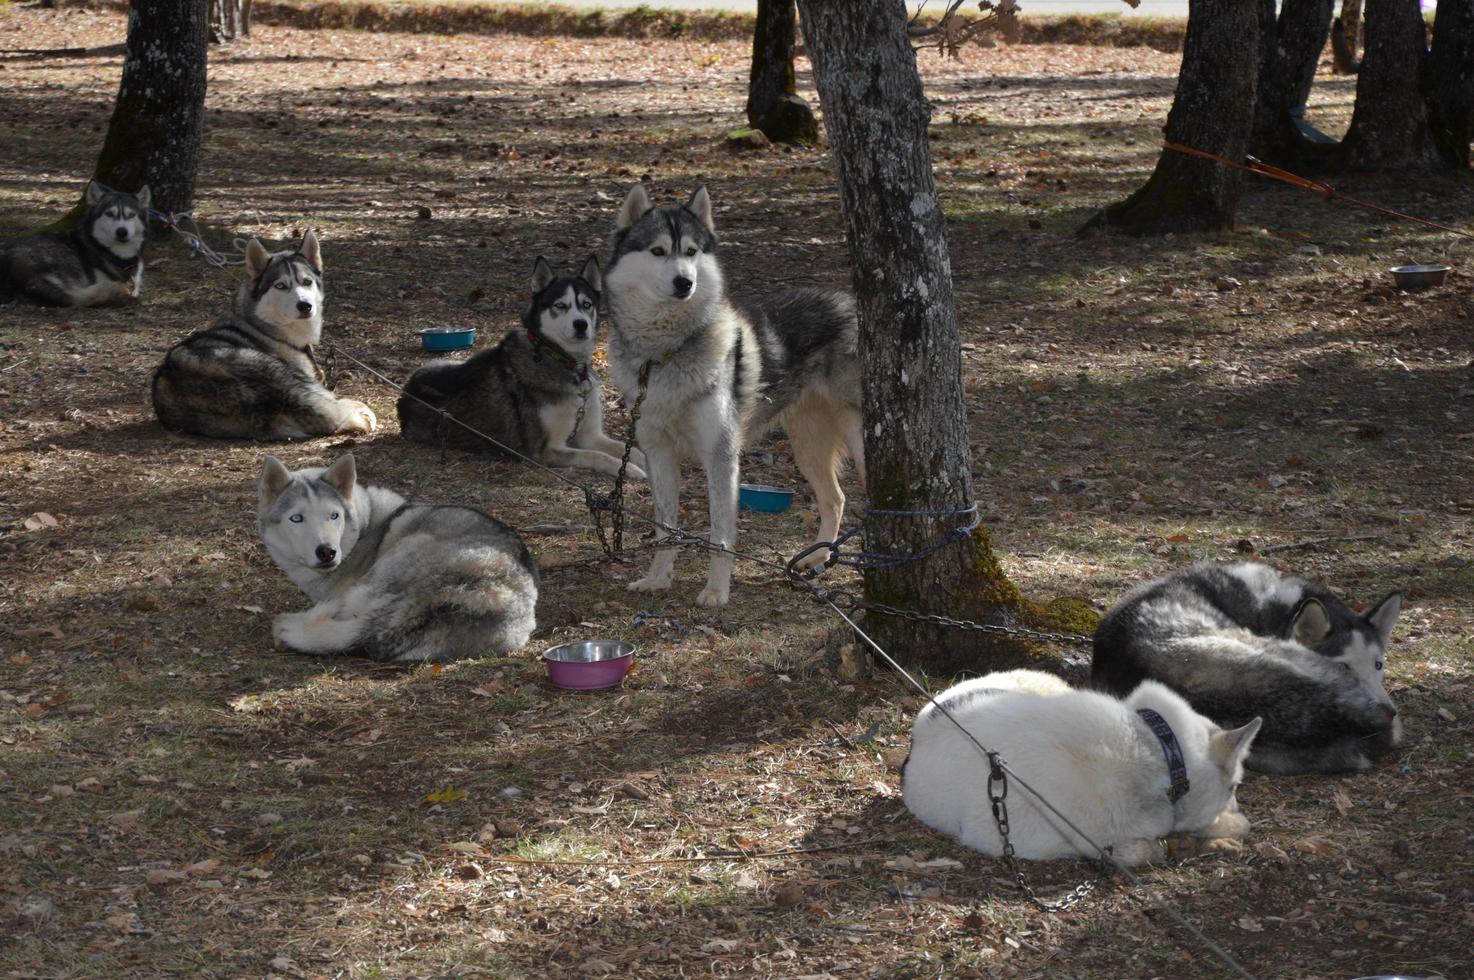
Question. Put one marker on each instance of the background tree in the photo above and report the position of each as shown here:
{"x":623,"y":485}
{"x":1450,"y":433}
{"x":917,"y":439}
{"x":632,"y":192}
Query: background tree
{"x":1212,"y":110}
{"x":229,"y":19}
{"x":916,"y":440}
{"x":773,"y":103}
{"x":1290,"y":46}
{"x":1451,"y":82}
{"x":1389,"y":125}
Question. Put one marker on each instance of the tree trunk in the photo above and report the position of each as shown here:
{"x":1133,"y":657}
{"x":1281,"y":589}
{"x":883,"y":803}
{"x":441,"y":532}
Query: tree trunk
{"x":1213,"y":111}
{"x":1451,"y":82}
{"x":916,"y":444}
{"x":227,"y":21}
{"x":154,"y":135}
{"x":1389,"y":126}
{"x":1346,"y":39}
{"x":1289,"y":50}
{"x":773,"y":103}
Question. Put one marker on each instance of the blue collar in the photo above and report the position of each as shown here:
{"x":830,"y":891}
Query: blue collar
{"x":1176,"y":764}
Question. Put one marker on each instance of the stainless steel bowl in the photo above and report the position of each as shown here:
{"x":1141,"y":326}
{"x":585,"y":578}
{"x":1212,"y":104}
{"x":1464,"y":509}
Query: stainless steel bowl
{"x":1412,"y":277}
{"x":588,"y":651}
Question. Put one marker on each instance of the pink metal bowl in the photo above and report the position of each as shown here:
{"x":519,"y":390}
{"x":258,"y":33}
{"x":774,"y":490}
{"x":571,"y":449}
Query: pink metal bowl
{"x":589,"y":665}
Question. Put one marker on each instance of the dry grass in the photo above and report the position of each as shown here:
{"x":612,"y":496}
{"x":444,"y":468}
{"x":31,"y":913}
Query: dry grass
{"x":180,"y":799}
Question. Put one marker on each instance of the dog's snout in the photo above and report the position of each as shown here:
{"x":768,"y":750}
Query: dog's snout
{"x":326,"y":553}
{"x":304,"y":307}
{"x":122,"y":234}
{"x":580,"y":327}
{"x":1390,"y":711}
{"x":682,"y":285}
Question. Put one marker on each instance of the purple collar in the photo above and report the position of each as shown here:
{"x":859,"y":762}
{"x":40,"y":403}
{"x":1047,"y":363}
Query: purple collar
{"x":1171,"y":750}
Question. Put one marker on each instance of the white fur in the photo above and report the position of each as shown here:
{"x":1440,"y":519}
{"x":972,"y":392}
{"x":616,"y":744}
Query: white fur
{"x":1088,"y":754}
{"x":292,"y":286}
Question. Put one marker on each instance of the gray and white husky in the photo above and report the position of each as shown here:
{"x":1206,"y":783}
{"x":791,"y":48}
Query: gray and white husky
{"x":1240,"y":640}
{"x":391,"y":580}
{"x":1124,"y":772}
{"x":253,"y":374}
{"x":714,"y":374}
{"x":528,"y":390}
{"x":97,"y":263}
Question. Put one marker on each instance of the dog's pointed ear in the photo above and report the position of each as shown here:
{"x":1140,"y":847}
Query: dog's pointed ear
{"x":590,"y":274}
{"x":1384,"y":616}
{"x":257,"y":258}
{"x":542,"y":274}
{"x":1228,"y":749}
{"x":636,"y":203}
{"x":342,"y":475}
{"x":273,"y":480}
{"x":145,"y":197}
{"x":1310,"y":624}
{"x":94,"y":193}
{"x":700,"y":205}
{"x":312,"y":251}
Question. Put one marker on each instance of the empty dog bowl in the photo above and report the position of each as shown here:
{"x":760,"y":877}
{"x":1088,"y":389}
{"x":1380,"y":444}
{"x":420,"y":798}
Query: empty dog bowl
{"x":589,"y":665}
{"x":770,"y":500}
{"x":1411,"y":277}
{"x":447,"y":338}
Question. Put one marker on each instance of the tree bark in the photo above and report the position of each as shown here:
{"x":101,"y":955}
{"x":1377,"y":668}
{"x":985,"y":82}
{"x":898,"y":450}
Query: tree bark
{"x":1289,"y":51}
{"x":773,"y":103}
{"x":1346,"y":39}
{"x":154,"y":135}
{"x":1213,"y":110}
{"x":1451,"y":82}
{"x":1389,"y":126}
{"x":916,"y":444}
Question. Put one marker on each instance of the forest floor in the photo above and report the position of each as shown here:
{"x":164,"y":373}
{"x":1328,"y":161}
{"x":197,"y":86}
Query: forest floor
{"x":179,"y":798}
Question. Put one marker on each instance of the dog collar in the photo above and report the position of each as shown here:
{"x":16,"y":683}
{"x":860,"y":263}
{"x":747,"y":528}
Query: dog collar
{"x":1171,"y":750}
{"x":541,"y":346}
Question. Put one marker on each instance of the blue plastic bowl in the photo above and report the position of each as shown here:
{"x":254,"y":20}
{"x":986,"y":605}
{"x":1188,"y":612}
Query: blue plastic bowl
{"x":769,"y":500}
{"x":448,"y":338}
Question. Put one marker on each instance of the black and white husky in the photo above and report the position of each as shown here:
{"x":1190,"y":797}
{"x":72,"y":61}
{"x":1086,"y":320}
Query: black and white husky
{"x":535,"y":392}
{"x":253,"y":374}
{"x":1241,"y":640}
{"x":97,"y":263}
{"x":714,"y":374}
{"x":391,"y":580}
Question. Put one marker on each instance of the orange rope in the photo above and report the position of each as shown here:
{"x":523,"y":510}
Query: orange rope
{"x":1254,"y":166}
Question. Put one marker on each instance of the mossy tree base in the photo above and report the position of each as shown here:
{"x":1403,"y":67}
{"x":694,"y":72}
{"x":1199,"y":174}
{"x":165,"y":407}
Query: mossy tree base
{"x":773,"y":104}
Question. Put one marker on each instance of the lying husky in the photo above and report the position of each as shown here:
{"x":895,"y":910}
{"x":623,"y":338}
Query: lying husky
{"x":535,"y":392}
{"x":1239,"y":640}
{"x":253,"y":375}
{"x":97,"y":263}
{"x":709,"y":374}
{"x":1125,"y":773}
{"x":391,"y":580}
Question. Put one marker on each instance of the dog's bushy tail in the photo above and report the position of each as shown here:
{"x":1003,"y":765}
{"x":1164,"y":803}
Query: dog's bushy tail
{"x":482,"y":605}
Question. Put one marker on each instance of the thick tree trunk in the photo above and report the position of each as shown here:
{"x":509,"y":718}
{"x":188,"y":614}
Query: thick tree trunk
{"x":154,"y":135}
{"x":916,"y":444}
{"x":1289,"y":50}
{"x":229,"y":19}
{"x":773,"y":103}
{"x":1451,"y":81}
{"x":1346,"y":39}
{"x":1389,"y":126}
{"x":1213,"y":111}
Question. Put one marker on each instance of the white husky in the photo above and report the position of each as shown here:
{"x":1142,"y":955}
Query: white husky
{"x":1124,"y":772}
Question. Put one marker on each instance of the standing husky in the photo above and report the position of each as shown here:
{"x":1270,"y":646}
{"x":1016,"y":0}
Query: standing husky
{"x":391,"y":580}
{"x":533,"y":392}
{"x":708,"y":375}
{"x":1124,"y":772}
{"x":97,"y":263}
{"x":252,"y":375}
{"x":1239,"y":640}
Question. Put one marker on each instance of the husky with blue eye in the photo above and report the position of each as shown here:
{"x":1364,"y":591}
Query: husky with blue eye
{"x":535,"y":392}
{"x":97,"y":263}
{"x":1240,"y":640}
{"x":253,"y":375}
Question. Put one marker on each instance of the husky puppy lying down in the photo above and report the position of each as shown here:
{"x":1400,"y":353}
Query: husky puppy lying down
{"x":1126,"y":773}
{"x":1240,"y":640}
{"x":391,"y":580}
{"x":97,"y":263}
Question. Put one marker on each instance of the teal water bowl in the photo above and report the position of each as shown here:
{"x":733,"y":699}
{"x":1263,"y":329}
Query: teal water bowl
{"x":768,"y":500}
{"x":447,"y":338}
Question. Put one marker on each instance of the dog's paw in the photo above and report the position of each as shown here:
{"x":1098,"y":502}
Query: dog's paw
{"x":1228,"y":825}
{"x":713,"y":596}
{"x":633,"y":472}
{"x":650,"y":583}
{"x":358,"y":417}
{"x":1220,"y":845}
{"x":813,"y":559}
{"x":287,"y":629}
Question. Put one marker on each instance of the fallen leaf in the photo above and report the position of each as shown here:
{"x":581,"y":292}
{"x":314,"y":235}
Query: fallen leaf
{"x":446,"y":795}
{"x":40,"y":520}
{"x":789,"y":894}
{"x":466,"y":847}
{"x":163,"y":876}
{"x":259,"y":874}
{"x":125,"y":819}
{"x":1341,"y":801}
{"x":719,"y":945}
{"x":202,"y":867}
{"x":1250,"y":925}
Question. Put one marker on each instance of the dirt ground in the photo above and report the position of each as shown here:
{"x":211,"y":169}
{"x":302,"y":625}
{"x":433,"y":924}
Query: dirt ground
{"x":179,"y":798}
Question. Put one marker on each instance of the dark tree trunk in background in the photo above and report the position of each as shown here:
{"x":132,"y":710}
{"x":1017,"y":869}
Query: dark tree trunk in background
{"x":916,"y":439}
{"x":1289,"y":50}
{"x":1389,"y":126}
{"x":229,"y":19}
{"x":1213,"y":110}
{"x":1346,"y":38}
{"x":1451,"y":81}
{"x":773,"y":104}
{"x":154,"y":135}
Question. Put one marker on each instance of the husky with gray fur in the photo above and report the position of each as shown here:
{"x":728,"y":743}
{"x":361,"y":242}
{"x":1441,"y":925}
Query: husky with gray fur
{"x":1091,"y":756}
{"x":391,"y":580}
{"x":97,"y":263}
{"x":527,"y":391}
{"x":253,"y":374}
{"x":720,"y":373}
{"x":1241,"y":640}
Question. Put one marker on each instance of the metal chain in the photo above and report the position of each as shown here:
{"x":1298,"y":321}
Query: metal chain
{"x":998,"y":796}
{"x":585,"y":387}
{"x":614,"y":503}
{"x":976,"y":627}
